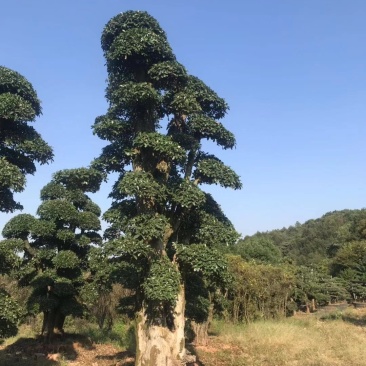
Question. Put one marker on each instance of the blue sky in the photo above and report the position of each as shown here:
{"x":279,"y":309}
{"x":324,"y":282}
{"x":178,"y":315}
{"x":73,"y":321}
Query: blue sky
{"x":293,"y":73}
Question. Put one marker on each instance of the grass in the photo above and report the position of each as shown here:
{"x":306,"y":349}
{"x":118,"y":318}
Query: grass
{"x":84,"y":343}
{"x":334,"y":339}
{"x":306,"y":341}
{"x":121,"y":335}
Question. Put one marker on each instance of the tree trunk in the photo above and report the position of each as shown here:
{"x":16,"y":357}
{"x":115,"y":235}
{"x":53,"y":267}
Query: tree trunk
{"x":52,"y":319}
{"x":201,"y":329}
{"x":313,"y":305}
{"x":159,"y":345}
{"x":48,"y":326}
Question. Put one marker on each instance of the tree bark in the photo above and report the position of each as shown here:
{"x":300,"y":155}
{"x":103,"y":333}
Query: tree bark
{"x":52,"y":319}
{"x":200,"y":330}
{"x":159,"y":345}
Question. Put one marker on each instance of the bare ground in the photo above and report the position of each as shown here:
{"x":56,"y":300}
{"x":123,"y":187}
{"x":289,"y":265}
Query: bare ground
{"x":74,"y":350}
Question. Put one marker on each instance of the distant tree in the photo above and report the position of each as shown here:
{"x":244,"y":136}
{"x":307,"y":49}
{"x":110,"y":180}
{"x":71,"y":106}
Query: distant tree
{"x":258,"y":248}
{"x":52,"y":250}
{"x":309,"y":244}
{"x":350,"y":264}
{"x":163,"y":224}
{"x":315,"y":287}
{"x":258,"y":291}
{"x":21,"y":146}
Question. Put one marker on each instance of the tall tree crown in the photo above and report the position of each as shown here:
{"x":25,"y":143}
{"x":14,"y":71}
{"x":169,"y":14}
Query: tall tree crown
{"x":162,"y":222}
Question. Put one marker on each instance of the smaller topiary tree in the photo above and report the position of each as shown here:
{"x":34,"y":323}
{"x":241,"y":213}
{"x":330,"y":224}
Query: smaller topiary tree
{"x":56,"y":245}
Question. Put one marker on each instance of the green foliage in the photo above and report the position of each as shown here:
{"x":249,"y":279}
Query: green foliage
{"x":161,"y":145}
{"x":13,"y":83}
{"x":147,"y":227}
{"x":214,"y":232}
{"x":66,"y":259}
{"x":9,"y":255}
{"x":181,"y":103}
{"x":313,"y":283}
{"x":186,"y":194}
{"x":20,"y":145}
{"x":140,"y":46}
{"x":19,"y":227}
{"x":258,"y":291}
{"x":160,"y":218}
{"x":162,"y":283}
{"x":11,"y":176}
{"x":133,"y":97}
{"x":84,"y":179}
{"x":197,"y":297}
{"x":58,"y":210}
{"x":350,"y":264}
{"x":213,"y":171}
{"x":13,"y":107}
{"x":315,"y":240}
{"x":56,"y":245}
{"x":327,"y":254}
{"x":10,"y":315}
{"x":125,"y":21}
{"x":142,"y":184}
{"x":166,"y":74}
{"x":200,"y":258}
{"x":258,"y":249}
{"x":208,"y":128}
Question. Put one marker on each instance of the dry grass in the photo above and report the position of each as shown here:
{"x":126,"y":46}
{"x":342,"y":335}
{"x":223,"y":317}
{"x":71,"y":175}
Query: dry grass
{"x":337,"y":340}
{"x":305,"y":341}
{"x":83,"y":348}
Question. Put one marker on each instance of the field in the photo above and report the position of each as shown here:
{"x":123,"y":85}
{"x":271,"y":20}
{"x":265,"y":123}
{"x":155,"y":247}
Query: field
{"x":324,"y":339}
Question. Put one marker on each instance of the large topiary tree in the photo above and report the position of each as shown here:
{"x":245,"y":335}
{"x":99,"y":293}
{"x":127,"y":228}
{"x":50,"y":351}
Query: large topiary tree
{"x":21,"y":146}
{"x":163,"y":226}
{"x":55,"y":246}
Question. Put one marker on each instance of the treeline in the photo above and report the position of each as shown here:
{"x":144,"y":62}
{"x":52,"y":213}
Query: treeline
{"x":299,"y":268}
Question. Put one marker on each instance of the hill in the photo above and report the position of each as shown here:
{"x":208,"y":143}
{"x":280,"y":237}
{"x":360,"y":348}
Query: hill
{"x":313,"y":241}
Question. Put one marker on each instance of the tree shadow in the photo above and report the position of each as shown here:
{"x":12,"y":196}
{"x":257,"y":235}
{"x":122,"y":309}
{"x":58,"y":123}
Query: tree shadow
{"x":361,"y":322}
{"x":127,"y":358}
{"x":34,"y":351}
{"x":192,"y":350}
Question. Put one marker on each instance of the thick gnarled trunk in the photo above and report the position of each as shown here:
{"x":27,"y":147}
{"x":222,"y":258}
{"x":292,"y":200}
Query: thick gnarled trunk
{"x":158,"y":345}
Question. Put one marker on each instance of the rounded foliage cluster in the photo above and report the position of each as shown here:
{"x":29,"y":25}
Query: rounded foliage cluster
{"x":18,"y":99}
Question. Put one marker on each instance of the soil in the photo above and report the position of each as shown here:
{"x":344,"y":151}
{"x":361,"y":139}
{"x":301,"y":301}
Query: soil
{"x":73,"y":350}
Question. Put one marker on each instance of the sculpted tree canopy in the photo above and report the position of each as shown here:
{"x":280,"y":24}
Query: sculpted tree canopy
{"x":21,"y":146}
{"x":163,"y":226}
{"x":56,"y":246}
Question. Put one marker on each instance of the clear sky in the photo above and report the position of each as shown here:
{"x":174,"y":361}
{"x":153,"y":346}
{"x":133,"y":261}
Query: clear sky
{"x":293,"y":73}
